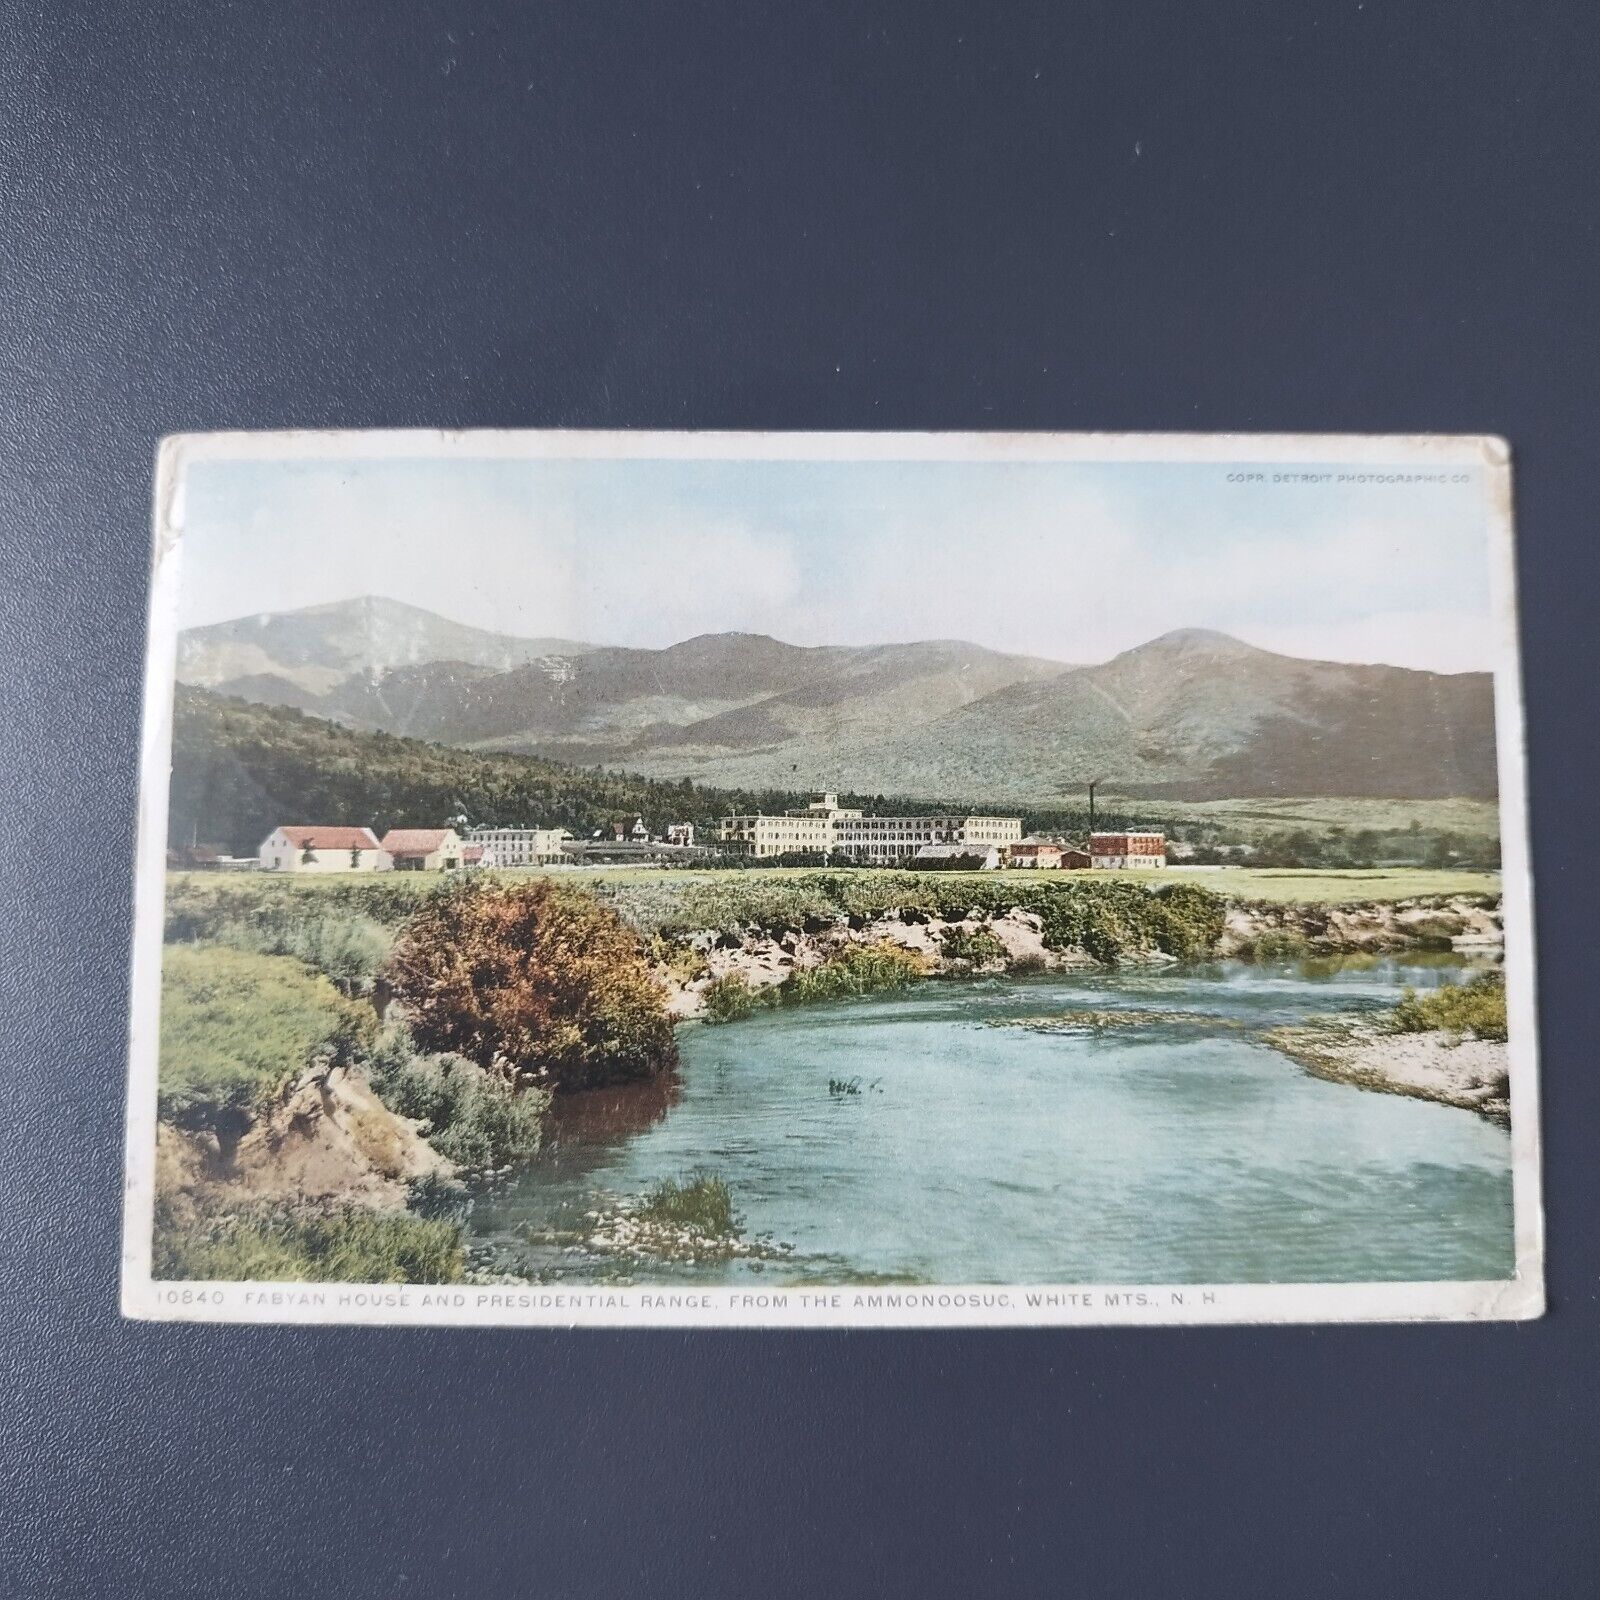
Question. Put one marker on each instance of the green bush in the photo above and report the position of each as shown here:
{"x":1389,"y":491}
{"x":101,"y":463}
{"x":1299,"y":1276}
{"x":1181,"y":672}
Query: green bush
{"x":479,"y":1121}
{"x":729,"y":998}
{"x":854,"y":970}
{"x":236,"y":1027}
{"x":701,"y":1203}
{"x":1279,"y":944}
{"x":296,"y":1244}
{"x":535,"y":978}
{"x":1188,"y":920}
{"x":977,"y":947}
{"x":1477,"y":1007}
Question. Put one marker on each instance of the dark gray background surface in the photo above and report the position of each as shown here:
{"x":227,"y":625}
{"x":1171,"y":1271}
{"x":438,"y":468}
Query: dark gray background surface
{"x":1108,"y":216}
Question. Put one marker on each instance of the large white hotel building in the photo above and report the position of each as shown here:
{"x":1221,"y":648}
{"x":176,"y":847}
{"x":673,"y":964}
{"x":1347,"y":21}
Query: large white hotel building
{"x":825,"y":825}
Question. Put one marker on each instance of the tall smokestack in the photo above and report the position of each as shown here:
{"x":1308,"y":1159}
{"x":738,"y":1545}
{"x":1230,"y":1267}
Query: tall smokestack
{"x":1091,"y":805}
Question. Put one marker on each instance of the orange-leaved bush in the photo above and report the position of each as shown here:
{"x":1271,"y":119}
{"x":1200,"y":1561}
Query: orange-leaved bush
{"x":534,"y":979}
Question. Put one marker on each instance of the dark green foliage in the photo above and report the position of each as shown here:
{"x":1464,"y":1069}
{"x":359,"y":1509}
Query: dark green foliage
{"x":479,"y":1121}
{"x":1188,"y":920}
{"x":1477,"y":1007}
{"x":729,"y":998}
{"x":239,"y":770}
{"x":701,"y":1203}
{"x":854,"y":970}
{"x":264,"y":1244}
{"x":977,"y":947}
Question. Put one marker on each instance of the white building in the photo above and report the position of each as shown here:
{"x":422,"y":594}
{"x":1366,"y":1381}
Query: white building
{"x":310,"y":849}
{"x":521,"y":847}
{"x":826,"y":826}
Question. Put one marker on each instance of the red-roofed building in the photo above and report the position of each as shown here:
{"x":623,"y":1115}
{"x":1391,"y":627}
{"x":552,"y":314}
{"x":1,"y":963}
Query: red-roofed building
{"x":1145,"y":848}
{"x":423,"y":849}
{"x":307,"y":848}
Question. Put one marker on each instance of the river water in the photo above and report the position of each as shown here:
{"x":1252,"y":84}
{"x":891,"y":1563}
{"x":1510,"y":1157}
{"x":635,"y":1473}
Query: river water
{"x":978,"y":1148}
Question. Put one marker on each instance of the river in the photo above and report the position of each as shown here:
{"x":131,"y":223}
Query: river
{"x":979,"y":1148}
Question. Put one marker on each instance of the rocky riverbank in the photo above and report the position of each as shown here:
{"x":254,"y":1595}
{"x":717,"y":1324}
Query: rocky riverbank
{"x":1441,"y":922}
{"x":1014,"y":940}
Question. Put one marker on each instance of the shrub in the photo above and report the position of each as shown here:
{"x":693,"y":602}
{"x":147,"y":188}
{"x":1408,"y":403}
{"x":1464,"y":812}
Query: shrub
{"x":702,"y":1203}
{"x":977,"y":947}
{"x":855,"y":969}
{"x":533,"y":978}
{"x":729,"y":998}
{"x":296,"y":1244}
{"x":1477,"y":1007}
{"x":1279,"y":944}
{"x":1188,"y":920}
{"x":479,"y":1121}
{"x":237,"y":1027}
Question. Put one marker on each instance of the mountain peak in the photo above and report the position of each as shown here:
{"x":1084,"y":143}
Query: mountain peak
{"x":1194,"y":641}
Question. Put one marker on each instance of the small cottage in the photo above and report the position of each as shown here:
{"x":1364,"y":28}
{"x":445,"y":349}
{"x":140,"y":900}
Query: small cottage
{"x":424,"y":849}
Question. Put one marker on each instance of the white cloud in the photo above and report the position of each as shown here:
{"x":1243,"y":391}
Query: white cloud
{"x":1435,"y":641}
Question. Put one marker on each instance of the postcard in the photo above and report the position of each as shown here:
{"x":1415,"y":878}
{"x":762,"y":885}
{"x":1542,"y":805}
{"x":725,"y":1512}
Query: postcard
{"x":809,"y":880}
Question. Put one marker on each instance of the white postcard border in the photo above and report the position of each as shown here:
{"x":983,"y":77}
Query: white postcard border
{"x":845,"y":1305}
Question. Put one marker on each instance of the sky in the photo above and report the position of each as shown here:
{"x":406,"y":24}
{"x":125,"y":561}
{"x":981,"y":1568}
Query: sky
{"x":1071,"y":561}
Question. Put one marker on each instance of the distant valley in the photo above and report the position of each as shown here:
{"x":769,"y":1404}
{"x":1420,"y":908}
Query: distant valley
{"x":1191,"y":715}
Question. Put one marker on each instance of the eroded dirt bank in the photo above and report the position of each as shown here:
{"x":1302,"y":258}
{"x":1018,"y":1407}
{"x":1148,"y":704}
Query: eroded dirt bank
{"x":329,"y":1138}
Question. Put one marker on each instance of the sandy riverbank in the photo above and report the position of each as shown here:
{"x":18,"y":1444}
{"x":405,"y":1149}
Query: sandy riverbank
{"x":1470,"y":1073}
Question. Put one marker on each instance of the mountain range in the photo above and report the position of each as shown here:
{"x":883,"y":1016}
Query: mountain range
{"x":1193,"y":714}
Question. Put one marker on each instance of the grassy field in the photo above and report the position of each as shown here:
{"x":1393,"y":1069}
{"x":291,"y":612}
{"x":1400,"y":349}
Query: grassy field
{"x":1251,"y":818}
{"x":1323,"y":886}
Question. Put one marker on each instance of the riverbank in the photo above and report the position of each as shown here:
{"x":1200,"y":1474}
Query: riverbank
{"x":700,"y":965}
{"x":1471,"y":1074}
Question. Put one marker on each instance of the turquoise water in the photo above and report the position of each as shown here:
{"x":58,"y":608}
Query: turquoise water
{"x":978,"y":1151}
